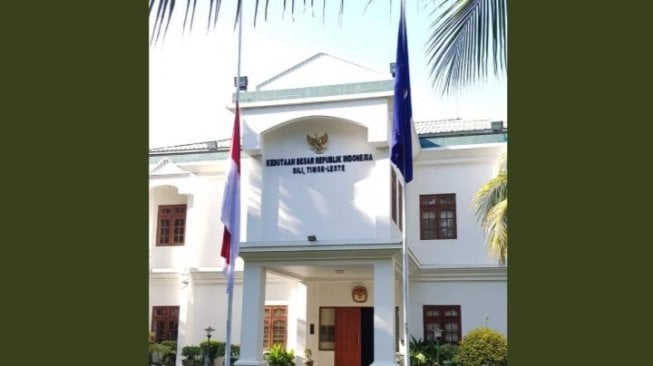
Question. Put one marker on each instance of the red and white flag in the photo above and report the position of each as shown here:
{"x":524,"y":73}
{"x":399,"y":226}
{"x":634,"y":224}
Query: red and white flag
{"x":230,"y":216}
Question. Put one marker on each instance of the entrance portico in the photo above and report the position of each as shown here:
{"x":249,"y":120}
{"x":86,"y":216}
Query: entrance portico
{"x":329,"y":273}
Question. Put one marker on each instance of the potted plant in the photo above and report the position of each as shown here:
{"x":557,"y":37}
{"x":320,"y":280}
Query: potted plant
{"x":308,"y":361}
{"x":278,"y":356}
{"x":192,"y":356}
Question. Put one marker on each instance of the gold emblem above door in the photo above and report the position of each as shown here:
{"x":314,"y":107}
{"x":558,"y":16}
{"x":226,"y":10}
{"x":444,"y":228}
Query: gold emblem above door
{"x":317,"y":142}
{"x":359,"y":294}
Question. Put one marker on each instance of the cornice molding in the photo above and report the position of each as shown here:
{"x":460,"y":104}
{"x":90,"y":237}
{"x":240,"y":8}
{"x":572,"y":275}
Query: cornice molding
{"x":444,"y":274}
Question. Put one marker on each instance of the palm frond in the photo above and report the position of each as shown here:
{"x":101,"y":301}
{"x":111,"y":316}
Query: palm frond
{"x":468,"y":36}
{"x":496,"y":228}
{"x":490,"y":205}
{"x":163,"y":15}
{"x":216,"y":11}
{"x":190,"y":28}
{"x":161,"y":12}
{"x":491,"y":193}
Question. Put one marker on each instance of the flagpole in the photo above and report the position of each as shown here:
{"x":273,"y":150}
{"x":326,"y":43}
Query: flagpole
{"x":232,"y":264}
{"x":405,"y":162}
{"x":404,"y":254}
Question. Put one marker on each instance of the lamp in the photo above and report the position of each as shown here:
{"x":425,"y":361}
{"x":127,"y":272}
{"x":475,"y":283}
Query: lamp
{"x":437,"y":333}
{"x":241,"y":82}
{"x":311,"y":238}
{"x":393,"y":67}
{"x":208,"y":345}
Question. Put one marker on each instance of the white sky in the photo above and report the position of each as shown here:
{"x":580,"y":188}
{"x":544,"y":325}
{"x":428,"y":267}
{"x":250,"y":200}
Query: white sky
{"x":191,"y":75}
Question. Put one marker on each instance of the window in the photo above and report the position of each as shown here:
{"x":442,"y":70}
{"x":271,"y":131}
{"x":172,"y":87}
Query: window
{"x":275,"y":326}
{"x":165,"y":321}
{"x":443,"y":317}
{"x":327,"y":329}
{"x":393,"y":194}
{"x":437,"y":216}
{"x":397,"y":337}
{"x":171,"y":227}
{"x":396,"y":196}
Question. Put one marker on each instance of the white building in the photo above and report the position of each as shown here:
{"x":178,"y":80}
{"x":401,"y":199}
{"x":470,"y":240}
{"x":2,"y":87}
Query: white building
{"x":338,"y":292}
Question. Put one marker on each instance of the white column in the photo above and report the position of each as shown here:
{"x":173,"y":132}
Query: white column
{"x":251,"y":325}
{"x":185,"y":316}
{"x":384,"y":313}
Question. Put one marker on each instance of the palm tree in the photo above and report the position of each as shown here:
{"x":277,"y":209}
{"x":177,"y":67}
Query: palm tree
{"x":491,"y":207}
{"x":468,"y":36}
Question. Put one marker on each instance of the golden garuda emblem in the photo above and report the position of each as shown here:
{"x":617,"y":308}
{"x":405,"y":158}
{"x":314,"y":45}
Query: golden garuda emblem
{"x":317,"y":142}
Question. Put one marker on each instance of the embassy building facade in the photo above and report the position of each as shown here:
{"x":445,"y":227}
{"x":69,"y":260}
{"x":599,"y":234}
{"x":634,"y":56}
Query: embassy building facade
{"x":320,"y":263}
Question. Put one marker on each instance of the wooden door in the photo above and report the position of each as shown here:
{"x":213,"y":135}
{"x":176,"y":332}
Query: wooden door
{"x":348,"y":337}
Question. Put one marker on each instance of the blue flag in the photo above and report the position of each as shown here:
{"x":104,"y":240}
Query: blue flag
{"x":401,"y":149}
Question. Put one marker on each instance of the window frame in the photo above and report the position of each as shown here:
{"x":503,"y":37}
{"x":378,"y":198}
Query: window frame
{"x":269,"y":319}
{"x":328,"y":337}
{"x":396,"y":200}
{"x":171,"y":219}
{"x":393,"y":195}
{"x":171,"y":313}
{"x":442,"y":319}
{"x":437,"y":208}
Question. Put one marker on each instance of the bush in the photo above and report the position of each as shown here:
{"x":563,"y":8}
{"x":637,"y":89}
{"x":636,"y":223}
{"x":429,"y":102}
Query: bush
{"x":192,"y":353}
{"x":422,"y":353}
{"x":278,"y":356}
{"x":216,"y":349}
{"x":448,"y":351}
{"x":482,"y":346}
{"x":235,"y":351}
{"x":163,"y":353}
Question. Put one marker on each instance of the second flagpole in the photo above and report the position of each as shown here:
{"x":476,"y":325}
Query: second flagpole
{"x":230,"y":295}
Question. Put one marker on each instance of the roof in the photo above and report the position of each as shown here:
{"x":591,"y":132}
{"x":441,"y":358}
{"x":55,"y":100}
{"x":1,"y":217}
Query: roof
{"x":198,"y":147}
{"x":321,"y":69}
{"x":457,"y":126}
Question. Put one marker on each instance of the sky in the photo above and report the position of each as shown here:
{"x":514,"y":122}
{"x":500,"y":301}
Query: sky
{"x":191,"y":73}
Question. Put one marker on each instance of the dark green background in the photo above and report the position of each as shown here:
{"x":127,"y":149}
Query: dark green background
{"x":74,"y":182}
{"x":74,"y":174}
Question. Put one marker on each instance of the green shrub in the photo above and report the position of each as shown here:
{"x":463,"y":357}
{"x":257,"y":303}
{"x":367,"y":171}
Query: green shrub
{"x":192,"y":353}
{"x":422,"y":353}
{"x":278,"y":356}
{"x":216,"y":349}
{"x":481,"y":347}
{"x":163,"y":353}
{"x":171,"y":344}
{"x":235,"y":351}
{"x":447,"y":351}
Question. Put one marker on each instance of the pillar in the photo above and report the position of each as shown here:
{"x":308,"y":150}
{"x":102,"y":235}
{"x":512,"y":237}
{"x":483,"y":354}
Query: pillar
{"x":253,"y":307}
{"x":384,"y":313}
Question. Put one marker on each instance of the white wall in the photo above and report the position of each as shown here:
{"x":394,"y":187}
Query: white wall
{"x":371,"y":113}
{"x":477,"y":300}
{"x":203,"y":226}
{"x":460,"y":171}
{"x":344,"y":205}
{"x":166,"y":256}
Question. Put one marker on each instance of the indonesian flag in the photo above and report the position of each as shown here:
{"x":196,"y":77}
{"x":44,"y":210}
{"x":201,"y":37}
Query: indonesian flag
{"x":231,"y":207}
